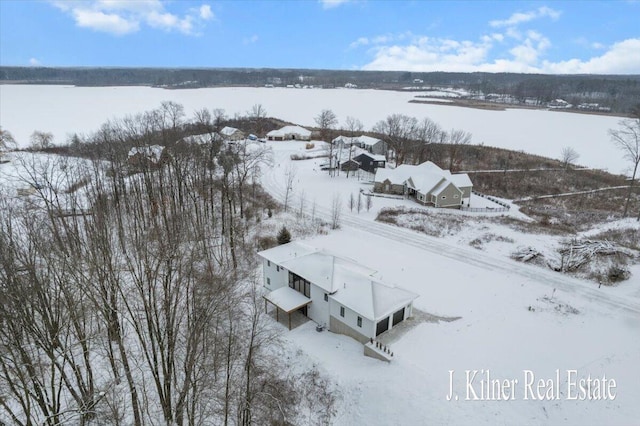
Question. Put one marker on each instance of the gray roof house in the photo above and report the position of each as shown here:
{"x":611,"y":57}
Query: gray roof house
{"x":337,"y":293}
{"x":369,"y":144}
{"x":427,"y":184}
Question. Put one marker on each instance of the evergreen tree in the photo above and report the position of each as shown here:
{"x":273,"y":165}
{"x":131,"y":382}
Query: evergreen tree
{"x":284,"y":236}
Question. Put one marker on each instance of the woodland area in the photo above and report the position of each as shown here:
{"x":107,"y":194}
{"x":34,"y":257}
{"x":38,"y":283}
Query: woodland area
{"x":131,"y":296}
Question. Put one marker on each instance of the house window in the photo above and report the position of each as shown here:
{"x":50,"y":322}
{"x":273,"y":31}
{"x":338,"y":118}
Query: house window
{"x":342,"y":311}
{"x":444,"y":197}
{"x":455,"y":195}
{"x":277,"y":268}
{"x":268,"y":263}
{"x":326,"y":297}
{"x":268,"y":281}
{"x":359,"y":322}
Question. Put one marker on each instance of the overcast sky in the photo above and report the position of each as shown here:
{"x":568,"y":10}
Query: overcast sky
{"x":601,"y":37}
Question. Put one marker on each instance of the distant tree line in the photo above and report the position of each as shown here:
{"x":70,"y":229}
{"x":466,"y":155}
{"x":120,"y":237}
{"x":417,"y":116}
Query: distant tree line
{"x":619,"y":92}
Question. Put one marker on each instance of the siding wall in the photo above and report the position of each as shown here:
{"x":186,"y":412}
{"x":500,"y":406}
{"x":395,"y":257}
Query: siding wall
{"x":318,"y":309}
{"x":450,"y":201}
{"x":349,"y":323}
{"x":277,"y":278}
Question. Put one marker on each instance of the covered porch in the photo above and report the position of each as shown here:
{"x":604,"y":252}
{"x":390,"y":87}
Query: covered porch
{"x":287,"y":300}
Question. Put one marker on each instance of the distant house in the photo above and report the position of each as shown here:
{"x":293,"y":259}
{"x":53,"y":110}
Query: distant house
{"x":231,"y":134}
{"x":370,"y":162}
{"x":372,"y":145}
{"x":287,"y":133}
{"x":349,"y":165}
{"x":426,"y":183}
{"x":559,"y":104}
{"x":337,"y":293}
{"x":202,"y":139}
{"x":147,"y":156}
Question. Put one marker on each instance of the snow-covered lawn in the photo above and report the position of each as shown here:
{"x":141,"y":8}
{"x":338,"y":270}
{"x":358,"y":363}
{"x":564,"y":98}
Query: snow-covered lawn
{"x":514,"y":318}
{"x":497,"y":332}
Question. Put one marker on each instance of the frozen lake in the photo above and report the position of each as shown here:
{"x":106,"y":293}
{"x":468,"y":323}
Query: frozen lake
{"x":63,"y":110}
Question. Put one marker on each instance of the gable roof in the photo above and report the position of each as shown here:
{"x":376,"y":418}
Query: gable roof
{"x":423,"y":177}
{"x":374,"y":157}
{"x":351,"y":284}
{"x":228,"y":131}
{"x":287,"y":130}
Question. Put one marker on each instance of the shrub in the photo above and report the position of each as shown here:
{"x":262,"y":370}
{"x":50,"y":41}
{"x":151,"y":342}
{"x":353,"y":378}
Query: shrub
{"x":310,"y":146}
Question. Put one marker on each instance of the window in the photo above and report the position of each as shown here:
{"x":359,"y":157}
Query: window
{"x":342,"y":311}
{"x":277,"y":268}
{"x":326,"y":297}
{"x":268,"y":263}
{"x":268,"y":281}
{"x":455,"y":195}
{"x":359,"y":322}
{"x":444,"y":197}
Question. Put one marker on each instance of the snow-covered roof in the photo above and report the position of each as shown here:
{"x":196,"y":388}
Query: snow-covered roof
{"x":228,"y":131}
{"x":426,"y":182}
{"x":362,"y":140}
{"x":423,"y":177}
{"x":374,"y":157}
{"x":288,"y":130}
{"x":202,"y":138}
{"x":152,"y":152}
{"x":354,"y":285}
{"x":368,"y":140}
{"x":461,"y":180}
{"x":287,"y":299}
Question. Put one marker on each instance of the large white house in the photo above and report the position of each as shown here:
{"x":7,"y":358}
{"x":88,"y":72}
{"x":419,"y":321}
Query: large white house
{"x":287,"y":133}
{"x":337,"y":293}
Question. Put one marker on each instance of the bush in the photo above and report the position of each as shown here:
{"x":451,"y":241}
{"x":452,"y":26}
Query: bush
{"x":310,"y":146}
{"x":266,"y":242}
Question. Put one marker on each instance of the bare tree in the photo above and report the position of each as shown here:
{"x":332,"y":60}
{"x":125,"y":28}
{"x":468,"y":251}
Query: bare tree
{"x":352,"y":202}
{"x":289,"y":177}
{"x":627,"y":139}
{"x":7,"y":141}
{"x":400,"y":132}
{"x":359,"y":202}
{"x":353,"y":125}
{"x":41,"y":140}
{"x":369,"y":202}
{"x":456,"y":141}
{"x":428,"y":133}
{"x":258,"y":114}
{"x":336,"y":211}
{"x":326,"y":121}
{"x":568,"y":156}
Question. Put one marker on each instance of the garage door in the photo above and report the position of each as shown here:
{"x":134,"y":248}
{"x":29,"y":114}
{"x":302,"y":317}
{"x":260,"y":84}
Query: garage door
{"x":398,"y":317}
{"x":382,"y":326}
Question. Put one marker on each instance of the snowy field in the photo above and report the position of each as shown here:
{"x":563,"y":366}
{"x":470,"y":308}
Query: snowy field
{"x":62,"y":110}
{"x":514,"y":318}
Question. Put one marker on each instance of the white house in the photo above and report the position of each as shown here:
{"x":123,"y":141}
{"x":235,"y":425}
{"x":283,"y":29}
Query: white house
{"x":287,"y":133}
{"x":231,"y":133}
{"x":427,"y":183}
{"x":337,"y":293}
{"x":368,"y":143}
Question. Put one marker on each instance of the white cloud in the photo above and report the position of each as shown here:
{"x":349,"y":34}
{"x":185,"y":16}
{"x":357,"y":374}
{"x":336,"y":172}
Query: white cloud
{"x":106,"y":22}
{"x":34,"y":62}
{"x":432,"y":54}
{"x":621,"y":58}
{"x":362,"y":41}
{"x":205,"y":12}
{"x":250,"y":40}
{"x":330,"y":4}
{"x":520,"y":17}
{"x":121,"y":17}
